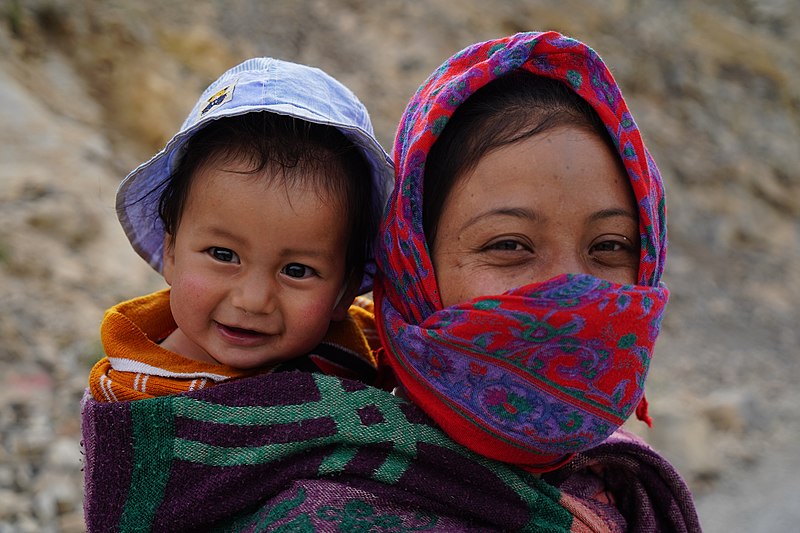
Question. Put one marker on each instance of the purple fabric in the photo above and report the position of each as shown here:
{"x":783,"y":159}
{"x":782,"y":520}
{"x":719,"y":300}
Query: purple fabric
{"x":650,"y":494}
{"x":295,"y":450}
{"x":150,"y":466}
{"x":116,"y":468}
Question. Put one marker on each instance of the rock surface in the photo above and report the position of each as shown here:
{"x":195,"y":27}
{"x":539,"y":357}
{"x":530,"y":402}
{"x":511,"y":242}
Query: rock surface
{"x":90,"y":89}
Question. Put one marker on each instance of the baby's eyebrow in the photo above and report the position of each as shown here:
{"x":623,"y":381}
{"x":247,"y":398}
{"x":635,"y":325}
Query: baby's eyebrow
{"x":304,"y":252}
{"x":220,"y":232}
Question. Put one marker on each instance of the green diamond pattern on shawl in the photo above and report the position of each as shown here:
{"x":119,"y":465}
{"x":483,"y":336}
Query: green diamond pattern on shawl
{"x":282,"y":450}
{"x":352,"y":432}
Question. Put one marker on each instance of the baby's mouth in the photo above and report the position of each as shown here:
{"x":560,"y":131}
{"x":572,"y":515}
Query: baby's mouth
{"x":240,"y":335}
{"x":241,"y":331}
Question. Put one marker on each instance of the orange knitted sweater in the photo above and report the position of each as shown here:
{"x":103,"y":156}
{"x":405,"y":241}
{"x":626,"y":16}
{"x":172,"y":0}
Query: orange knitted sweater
{"x":137,"y":367}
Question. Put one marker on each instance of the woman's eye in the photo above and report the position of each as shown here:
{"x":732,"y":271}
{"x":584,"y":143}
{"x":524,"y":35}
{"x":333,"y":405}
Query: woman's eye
{"x":223,"y":255}
{"x":608,"y":246}
{"x":298,"y":271}
{"x":614,"y":248}
{"x":506,"y":246}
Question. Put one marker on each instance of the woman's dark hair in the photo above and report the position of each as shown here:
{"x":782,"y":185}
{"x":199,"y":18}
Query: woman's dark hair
{"x":314,"y":155}
{"x":507,"y":110}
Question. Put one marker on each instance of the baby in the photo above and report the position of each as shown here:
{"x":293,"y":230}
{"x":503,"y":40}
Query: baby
{"x":261,"y":214}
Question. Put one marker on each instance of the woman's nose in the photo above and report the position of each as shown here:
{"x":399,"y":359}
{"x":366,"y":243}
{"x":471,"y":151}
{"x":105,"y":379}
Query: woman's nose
{"x":563,"y":263}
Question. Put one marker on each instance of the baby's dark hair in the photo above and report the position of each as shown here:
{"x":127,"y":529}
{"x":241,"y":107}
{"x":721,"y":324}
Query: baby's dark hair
{"x":507,"y":110}
{"x":302,"y":152}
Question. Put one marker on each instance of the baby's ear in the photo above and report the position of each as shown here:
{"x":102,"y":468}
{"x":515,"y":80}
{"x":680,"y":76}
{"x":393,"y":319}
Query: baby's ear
{"x":348,"y":296}
{"x":168,"y":258}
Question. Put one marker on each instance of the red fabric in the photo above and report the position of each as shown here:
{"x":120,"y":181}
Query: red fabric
{"x":534,"y":375}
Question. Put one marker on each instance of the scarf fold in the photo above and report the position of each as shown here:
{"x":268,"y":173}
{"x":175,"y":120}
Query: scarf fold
{"x":544,"y":371}
{"x":306,"y":452}
{"x":536,"y":374}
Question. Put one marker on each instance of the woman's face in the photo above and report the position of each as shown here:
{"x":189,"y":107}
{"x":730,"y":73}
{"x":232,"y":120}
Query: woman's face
{"x":555,"y":203}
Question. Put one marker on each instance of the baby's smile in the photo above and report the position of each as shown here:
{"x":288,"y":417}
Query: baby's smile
{"x":241,"y":336}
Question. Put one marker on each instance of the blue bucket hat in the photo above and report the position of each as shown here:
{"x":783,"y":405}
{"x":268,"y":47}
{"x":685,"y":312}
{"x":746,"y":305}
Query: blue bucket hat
{"x":257,"y":85}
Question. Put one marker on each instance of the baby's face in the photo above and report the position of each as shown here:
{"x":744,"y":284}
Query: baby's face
{"x":552,"y":204}
{"x":256,"y":268}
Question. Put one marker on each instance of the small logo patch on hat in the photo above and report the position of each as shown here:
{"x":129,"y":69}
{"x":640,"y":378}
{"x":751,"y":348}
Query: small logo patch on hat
{"x":218,"y":98}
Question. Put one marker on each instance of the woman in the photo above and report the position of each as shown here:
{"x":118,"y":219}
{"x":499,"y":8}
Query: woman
{"x":519,"y":297}
{"x":311,"y":452}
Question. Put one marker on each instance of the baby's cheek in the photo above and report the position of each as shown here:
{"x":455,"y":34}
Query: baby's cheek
{"x":316,"y":310}
{"x":196,"y":291}
{"x":310,"y":323}
{"x":193,"y":285}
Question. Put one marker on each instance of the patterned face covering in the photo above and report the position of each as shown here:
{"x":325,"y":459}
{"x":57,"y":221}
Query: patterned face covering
{"x":541,"y":372}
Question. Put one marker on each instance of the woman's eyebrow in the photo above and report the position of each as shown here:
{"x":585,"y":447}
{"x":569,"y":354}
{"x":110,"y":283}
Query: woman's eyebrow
{"x":613,"y":212}
{"x":514,"y":212}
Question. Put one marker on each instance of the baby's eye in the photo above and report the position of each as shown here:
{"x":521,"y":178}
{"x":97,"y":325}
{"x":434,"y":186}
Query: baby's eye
{"x":298,"y":271}
{"x":223,"y":255}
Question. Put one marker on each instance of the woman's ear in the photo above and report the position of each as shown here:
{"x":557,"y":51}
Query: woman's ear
{"x":168,"y":258}
{"x":348,"y":296}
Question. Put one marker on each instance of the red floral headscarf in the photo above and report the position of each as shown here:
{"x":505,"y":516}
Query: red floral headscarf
{"x":543,"y":371}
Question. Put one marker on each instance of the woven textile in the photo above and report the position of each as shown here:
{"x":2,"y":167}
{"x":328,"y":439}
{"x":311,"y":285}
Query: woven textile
{"x":546,"y":370}
{"x":650,"y":493}
{"x":300,"y":452}
{"x":309,"y":452}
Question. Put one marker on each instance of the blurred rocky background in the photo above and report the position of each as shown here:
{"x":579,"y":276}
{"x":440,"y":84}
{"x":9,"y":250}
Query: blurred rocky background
{"x":90,"y":88}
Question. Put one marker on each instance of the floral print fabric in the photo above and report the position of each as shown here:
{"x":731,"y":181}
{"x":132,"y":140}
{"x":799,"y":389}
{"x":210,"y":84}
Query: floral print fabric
{"x":546,"y":370}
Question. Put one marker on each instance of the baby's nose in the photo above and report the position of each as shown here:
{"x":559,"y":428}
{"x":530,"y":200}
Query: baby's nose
{"x":256,"y":294}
